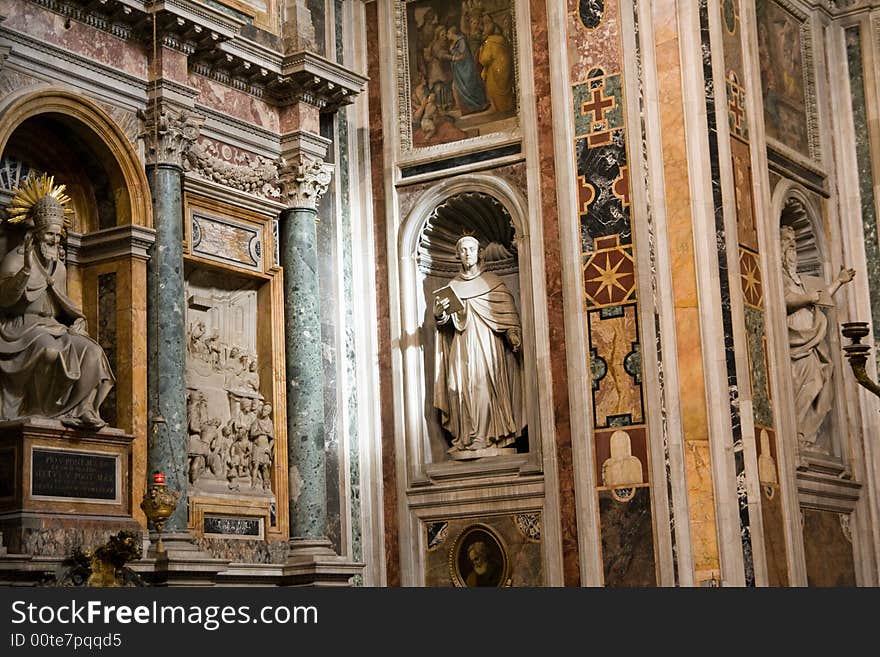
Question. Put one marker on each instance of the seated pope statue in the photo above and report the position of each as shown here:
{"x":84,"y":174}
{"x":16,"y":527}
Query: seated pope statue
{"x":49,"y":366}
{"x":477,"y":372}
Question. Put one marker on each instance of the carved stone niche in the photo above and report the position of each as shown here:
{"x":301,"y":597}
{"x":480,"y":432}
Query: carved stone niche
{"x":813,"y":337}
{"x":230,"y":421}
{"x":475,"y":399}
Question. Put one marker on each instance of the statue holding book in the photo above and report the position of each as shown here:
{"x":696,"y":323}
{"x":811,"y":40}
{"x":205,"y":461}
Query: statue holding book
{"x":477,"y":369}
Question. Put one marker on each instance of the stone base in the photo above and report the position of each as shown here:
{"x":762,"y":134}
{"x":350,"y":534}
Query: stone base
{"x":314,"y":563}
{"x":181,"y":563}
{"x":471,"y":454}
{"x":51,"y":534}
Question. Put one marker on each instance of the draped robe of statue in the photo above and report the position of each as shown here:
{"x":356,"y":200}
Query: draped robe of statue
{"x":45,"y":370}
{"x":811,"y":366}
{"x":477,"y":376}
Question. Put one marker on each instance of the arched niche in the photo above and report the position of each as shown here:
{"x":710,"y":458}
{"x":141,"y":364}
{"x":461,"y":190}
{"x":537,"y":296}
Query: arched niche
{"x":494,"y":213}
{"x":66,"y":135}
{"x":798,"y":210}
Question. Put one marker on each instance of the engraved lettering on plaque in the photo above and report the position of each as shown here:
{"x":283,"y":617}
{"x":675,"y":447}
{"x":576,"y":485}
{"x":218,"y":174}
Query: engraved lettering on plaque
{"x":77,"y":475}
{"x":234,"y":527}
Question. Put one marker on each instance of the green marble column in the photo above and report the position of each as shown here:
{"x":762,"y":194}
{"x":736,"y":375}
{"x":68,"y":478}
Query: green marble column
{"x":304,"y":369}
{"x":166,"y":355}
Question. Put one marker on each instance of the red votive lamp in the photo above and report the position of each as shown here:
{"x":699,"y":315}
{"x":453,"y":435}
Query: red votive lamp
{"x":158,"y":477}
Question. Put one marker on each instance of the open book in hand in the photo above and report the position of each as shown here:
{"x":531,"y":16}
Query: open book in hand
{"x":455,"y":304}
{"x":816,"y":284}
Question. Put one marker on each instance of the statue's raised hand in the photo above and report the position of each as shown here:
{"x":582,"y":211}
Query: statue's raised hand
{"x":846,"y":275}
{"x":27,"y":249}
{"x":79,"y":326}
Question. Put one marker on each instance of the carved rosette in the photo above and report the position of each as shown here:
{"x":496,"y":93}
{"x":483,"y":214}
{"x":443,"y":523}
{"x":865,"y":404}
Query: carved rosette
{"x":169,"y":132}
{"x":304,"y":180}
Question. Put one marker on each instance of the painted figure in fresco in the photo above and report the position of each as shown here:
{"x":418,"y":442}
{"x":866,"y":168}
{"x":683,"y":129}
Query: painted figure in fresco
{"x":49,"y":366}
{"x":811,"y":366}
{"x":496,"y":57}
{"x":467,"y":85}
{"x":477,"y":372}
{"x":439,"y":74}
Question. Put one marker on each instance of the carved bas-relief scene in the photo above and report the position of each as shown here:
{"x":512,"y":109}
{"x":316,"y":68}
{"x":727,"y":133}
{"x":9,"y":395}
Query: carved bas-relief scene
{"x":472,"y":330}
{"x":230,"y":423}
{"x":461,"y":64}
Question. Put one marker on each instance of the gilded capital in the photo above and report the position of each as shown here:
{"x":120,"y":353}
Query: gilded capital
{"x":304,"y":180}
{"x":169,"y":132}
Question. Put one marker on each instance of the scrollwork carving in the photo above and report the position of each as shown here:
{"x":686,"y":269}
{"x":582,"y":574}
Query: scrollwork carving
{"x":252,"y":174}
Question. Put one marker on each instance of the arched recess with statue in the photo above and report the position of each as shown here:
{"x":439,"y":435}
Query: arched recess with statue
{"x":105,"y":247}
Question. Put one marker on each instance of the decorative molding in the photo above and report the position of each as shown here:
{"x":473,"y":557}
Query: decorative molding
{"x":169,"y":132}
{"x":304,"y":180}
{"x":234,"y":168}
{"x":127,"y":121}
{"x":129,"y":240}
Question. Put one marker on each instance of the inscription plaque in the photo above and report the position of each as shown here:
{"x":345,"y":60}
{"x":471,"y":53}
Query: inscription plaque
{"x":7,"y":472}
{"x":57,"y":473}
{"x":245,"y":527}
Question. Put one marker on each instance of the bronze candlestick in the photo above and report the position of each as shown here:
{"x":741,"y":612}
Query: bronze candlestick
{"x":857,"y":354}
{"x":158,"y":504}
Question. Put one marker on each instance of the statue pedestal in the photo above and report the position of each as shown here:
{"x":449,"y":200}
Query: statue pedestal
{"x":471,"y":454}
{"x":314,"y":563}
{"x":181,"y":563}
{"x":62,"y":487}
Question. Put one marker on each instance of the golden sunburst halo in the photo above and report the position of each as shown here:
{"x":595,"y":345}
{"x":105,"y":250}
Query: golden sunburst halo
{"x":32,"y":190}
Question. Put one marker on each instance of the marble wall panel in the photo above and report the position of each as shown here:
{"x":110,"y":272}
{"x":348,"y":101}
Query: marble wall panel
{"x":99,"y":46}
{"x":593,"y":37}
{"x":107,"y":338}
{"x":758,"y":367}
{"x":615,"y":364}
{"x":226,"y":241}
{"x":514,"y":540}
{"x":638,"y":448}
{"x":603,"y":187}
{"x":627,"y":540}
{"x":828,"y":548}
{"x":747,"y":231}
{"x":235,"y":103}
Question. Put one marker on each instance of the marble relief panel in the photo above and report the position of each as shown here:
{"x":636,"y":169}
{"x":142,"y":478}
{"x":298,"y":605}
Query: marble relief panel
{"x":616,"y":368}
{"x":226,"y":241}
{"x":621,"y":457}
{"x":457,"y":61}
{"x":497,"y":550}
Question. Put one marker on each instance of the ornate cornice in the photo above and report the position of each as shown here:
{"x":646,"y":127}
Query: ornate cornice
{"x":169,"y":132}
{"x":304,"y":180}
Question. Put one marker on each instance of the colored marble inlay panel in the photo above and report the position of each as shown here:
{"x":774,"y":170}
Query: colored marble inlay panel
{"x":747,"y":232}
{"x":622,"y":457}
{"x":758,"y":366}
{"x":828,"y":548}
{"x":627,"y":539}
{"x":598,"y":105}
{"x":107,"y":338}
{"x":614,"y":341}
{"x":774,"y":536}
{"x":603,"y":189}
{"x":226,"y":241}
{"x":512,"y":551}
{"x":609,"y":275}
{"x":750,"y":277}
{"x":736,"y":107}
{"x":782,"y":75}
{"x":866,"y":174}
{"x":730,"y":19}
{"x":596,"y":47}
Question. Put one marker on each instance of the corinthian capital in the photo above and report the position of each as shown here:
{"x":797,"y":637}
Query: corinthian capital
{"x":304,"y":179}
{"x":169,"y":132}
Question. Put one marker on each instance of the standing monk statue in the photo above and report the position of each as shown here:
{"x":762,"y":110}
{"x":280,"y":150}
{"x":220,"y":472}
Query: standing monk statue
{"x":49,"y":366}
{"x":477,"y":373}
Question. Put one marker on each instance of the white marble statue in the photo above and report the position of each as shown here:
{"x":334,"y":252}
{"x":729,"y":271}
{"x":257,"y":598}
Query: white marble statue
{"x":811,"y":367}
{"x":49,"y":366}
{"x":622,"y":468}
{"x":477,"y":371}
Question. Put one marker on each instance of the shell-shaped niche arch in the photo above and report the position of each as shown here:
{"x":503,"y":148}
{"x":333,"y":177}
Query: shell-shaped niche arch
{"x":468,"y":213}
{"x":797,"y":214}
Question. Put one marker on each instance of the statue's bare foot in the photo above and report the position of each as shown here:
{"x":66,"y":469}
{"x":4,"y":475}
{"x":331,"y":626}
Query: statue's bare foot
{"x":92,"y":420}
